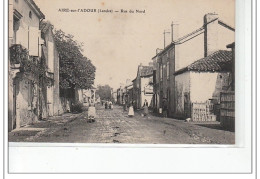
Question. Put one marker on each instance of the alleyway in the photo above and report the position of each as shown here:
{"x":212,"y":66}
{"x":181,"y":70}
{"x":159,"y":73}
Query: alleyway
{"x":113,"y":126}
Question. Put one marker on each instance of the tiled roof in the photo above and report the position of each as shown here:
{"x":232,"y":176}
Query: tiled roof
{"x":146,"y":71}
{"x":218,"y":61}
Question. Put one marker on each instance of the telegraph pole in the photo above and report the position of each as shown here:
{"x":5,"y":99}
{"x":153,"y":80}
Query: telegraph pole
{"x":172,"y":30}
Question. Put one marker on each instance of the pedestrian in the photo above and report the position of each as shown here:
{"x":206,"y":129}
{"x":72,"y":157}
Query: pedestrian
{"x":145,"y":106}
{"x":131,"y":111}
{"x":165,"y":108}
{"x":91,"y":113}
{"x":106,"y":105}
{"x":68,"y":106}
{"x":124,"y":105}
{"x":112,"y":106}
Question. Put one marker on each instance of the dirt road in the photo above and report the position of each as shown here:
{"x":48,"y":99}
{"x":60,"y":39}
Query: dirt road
{"x":114,"y":126}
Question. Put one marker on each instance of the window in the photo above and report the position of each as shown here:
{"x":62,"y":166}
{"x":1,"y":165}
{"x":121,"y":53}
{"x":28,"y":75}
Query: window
{"x":30,"y":14}
{"x":168,"y":70}
{"x":161,"y":72}
{"x":15,"y":28}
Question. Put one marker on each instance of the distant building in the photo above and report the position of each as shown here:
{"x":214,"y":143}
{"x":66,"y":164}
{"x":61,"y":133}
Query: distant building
{"x":143,"y":86}
{"x":85,"y":96}
{"x":121,"y":94}
{"x":114,"y":96}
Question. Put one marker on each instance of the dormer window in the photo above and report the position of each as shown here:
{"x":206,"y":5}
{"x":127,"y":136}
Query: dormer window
{"x":30,"y":14}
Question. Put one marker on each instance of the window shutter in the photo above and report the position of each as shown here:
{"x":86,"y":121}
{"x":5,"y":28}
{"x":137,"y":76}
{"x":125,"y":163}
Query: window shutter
{"x":50,"y":56}
{"x":22,"y":35}
{"x":33,"y":41}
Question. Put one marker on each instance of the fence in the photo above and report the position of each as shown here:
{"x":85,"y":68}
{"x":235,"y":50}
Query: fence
{"x":202,"y":112}
{"x":227,"y":110}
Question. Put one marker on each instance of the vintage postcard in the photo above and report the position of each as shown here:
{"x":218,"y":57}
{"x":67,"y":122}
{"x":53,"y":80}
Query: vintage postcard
{"x":124,"y":72}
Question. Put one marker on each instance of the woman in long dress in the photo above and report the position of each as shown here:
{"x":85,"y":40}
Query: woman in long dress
{"x":131,"y":111}
{"x":145,"y":108}
{"x":112,"y":106}
{"x":91,"y":112}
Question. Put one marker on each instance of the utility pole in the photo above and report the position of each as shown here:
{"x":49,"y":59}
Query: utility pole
{"x":172,"y":30}
{"x":164,"y":36}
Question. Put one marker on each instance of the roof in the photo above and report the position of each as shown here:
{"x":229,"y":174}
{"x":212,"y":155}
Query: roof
{"x":232,"y":45}
{"x":36,"y":8}
{"x":193,"y":34}
{"x":45,"y":25}
{"x":146,"y":71}
{"x":217,"y":62}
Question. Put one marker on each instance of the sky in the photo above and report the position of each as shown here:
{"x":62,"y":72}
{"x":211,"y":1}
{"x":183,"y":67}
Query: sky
{"x":117,"y":43}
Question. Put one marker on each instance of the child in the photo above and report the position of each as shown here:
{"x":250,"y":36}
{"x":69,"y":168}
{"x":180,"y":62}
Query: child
{"x":131,"y":111}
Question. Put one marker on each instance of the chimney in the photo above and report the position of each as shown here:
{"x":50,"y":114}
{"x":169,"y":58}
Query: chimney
{"x":158,"y":50}
{"x":210,"y":33}
{"x":140,"y":66}
{"x":175,"y":35}
{"x":175,"y":30}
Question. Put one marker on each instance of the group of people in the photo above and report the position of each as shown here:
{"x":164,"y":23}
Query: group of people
{"x":145,"y":108}
{"x":131,"y":108}
{"x":108,"y":104}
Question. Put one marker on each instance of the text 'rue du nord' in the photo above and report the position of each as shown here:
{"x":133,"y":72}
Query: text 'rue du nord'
{"x":102,"y":10}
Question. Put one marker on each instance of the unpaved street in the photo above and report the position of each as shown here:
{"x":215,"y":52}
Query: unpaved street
{"x":114,"y":126}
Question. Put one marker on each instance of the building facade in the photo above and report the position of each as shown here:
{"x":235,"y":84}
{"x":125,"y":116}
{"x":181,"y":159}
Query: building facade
{"x":180,"y":53}
{"x":143,"y":86}
{"x":24,"y":59}
{"x":199,"y":85}
{"x":49,"y":82}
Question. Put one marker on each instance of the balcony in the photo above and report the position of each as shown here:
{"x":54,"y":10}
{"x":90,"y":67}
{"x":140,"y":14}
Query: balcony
{"x":20,"y":59}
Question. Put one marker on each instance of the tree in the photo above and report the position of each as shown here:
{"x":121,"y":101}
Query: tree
{"x":104,"y":92}
{"x":76,"y":71}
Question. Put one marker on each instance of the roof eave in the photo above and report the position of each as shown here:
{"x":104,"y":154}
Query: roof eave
{"x":143,"y":76}
{"x":231,"y":45}
{"x":180,"y":71}
{"x":35,"y":8}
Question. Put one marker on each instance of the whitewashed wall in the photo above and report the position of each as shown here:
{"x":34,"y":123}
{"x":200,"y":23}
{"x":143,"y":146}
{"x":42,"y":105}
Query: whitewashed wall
{"x":148,"y":97}
{"x":207,"y":85}
{"x":182,"y":85}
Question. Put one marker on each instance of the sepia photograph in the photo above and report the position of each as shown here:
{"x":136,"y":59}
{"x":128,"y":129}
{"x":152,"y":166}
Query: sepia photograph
{"x":124,"y":72}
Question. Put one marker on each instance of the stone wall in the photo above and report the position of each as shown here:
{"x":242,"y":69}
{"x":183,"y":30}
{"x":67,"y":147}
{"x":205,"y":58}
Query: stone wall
{"x":26,"y":99}
{"x":52,"y":62}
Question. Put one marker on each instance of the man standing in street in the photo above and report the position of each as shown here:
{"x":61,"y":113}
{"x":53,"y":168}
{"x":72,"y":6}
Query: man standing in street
{"x":165,"y":108}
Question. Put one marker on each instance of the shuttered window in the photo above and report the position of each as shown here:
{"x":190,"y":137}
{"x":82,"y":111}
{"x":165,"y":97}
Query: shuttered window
{"x":34,"y":35}
{"x":50,"y":57}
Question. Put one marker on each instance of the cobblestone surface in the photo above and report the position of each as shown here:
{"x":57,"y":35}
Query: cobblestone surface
{"x":114,"y":126}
